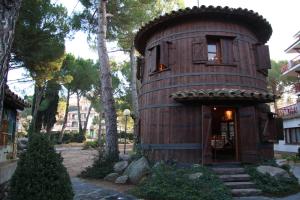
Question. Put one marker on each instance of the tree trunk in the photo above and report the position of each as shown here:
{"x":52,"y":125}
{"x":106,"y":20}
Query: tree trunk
{"x":9,"y":14}
{"x":61,"y":135}
{"x":134,"y":91}
{"x":79,"y":113}
{"x":111,"y":147}
{"x":38,"y":92}
{"x":100,"y":131}
{"x":87,"y":119}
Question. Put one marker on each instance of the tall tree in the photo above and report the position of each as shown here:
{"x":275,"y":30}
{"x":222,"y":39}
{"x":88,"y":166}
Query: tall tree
{"x":39,"y":43}
{"x":111,"y":147}
{"x":47,"y":113}
{"x":9,"y":15}
{"x":276,"y":82}
{"x":66,"y":70}
{"x":108,"y":27}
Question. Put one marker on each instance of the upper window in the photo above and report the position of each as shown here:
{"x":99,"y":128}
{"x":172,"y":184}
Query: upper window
{"x":159,"y":56}
{"x":213,"y":50}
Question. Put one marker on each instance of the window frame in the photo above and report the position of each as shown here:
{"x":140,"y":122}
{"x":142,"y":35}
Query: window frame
{"x":217,"y":42}
{"x":288,"y":136}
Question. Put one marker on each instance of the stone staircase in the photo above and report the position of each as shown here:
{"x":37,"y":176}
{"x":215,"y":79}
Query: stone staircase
{"x":235,"y":177}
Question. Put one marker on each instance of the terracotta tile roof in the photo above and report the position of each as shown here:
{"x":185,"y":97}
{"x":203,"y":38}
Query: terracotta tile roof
{"x":259,"y":25}
{"x":14,"y":100}
{"x":223,"y":94}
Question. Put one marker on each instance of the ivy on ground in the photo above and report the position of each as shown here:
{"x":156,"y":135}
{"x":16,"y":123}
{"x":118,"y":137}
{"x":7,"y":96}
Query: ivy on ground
{"x":171,"y":183}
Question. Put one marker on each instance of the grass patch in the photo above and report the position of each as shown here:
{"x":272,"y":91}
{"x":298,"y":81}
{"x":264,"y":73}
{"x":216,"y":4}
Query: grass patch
{"x":274,"y":186}
{"x":171,"y":183}
{"x":90,"y":145}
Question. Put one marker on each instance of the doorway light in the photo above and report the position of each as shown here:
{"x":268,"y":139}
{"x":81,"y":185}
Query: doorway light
{"x":228,"y":115}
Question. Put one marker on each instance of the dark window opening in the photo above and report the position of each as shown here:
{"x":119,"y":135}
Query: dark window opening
{"x":159,"y":65}
{"x":292,"y":135}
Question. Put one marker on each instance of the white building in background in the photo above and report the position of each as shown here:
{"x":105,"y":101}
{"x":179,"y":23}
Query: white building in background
{"x":73,"y":118}
{"x":291,"y":113}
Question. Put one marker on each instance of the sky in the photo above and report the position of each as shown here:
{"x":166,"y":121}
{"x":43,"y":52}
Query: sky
{"x":282,"y":15}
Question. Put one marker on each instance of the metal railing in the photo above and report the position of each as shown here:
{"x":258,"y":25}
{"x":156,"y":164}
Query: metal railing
{"x":295,"y":61}
{"x":288,"y":110}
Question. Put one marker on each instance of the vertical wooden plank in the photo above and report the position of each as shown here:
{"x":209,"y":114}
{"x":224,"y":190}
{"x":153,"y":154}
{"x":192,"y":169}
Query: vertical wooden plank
{"x":248,"y":134}
{"x":206,"y":132}
{"x":227,"y":50}
{"x":199,"y":51}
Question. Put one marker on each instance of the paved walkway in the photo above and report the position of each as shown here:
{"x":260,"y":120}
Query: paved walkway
{"x":292,"y":197}
{"x":87,"y":191}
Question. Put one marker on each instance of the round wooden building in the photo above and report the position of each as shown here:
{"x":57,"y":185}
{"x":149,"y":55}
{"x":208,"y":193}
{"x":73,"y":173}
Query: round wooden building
{"x":203,"y":88}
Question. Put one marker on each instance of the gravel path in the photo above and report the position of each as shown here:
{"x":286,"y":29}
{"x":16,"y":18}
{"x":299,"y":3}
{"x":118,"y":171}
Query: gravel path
{"x":87,"y":191}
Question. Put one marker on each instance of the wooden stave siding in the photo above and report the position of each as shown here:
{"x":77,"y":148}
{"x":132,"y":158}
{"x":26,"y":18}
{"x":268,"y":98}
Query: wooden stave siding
{"x":156,"y":107}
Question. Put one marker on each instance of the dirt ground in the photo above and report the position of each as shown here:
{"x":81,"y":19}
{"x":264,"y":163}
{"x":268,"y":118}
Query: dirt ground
{"x":76,"y":160}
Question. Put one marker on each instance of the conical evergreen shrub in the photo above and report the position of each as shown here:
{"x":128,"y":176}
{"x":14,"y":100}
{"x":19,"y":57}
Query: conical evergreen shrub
{"x":40,"y":174}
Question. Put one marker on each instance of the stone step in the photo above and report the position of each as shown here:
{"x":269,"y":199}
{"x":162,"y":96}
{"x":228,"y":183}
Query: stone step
{"x":235,"y":177}
{"x":240,"y":185}
{"x":245,"y":192}
{"x":224,"y":171}
{"x":226,"y":165}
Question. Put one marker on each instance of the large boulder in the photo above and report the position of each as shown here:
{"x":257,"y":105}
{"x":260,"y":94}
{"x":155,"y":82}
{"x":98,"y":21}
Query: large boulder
{"x":137,"y":170}
{"x":273,"y":171}
{"x":119,"y":167}
{"x":111,"y":177}
{"x":122,"y":179}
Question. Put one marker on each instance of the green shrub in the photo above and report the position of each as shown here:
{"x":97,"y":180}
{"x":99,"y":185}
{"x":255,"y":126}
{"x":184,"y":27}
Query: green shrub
{"x":40,"y":174}
{"x":73,"y":136}
{"x":274,"y":186}
{"x":170,"y":183}
{"x":102,"y":166}
{"x":91,"y":144}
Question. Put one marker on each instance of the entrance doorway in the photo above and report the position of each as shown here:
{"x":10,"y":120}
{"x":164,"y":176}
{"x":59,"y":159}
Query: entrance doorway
{"x":223,"y":134}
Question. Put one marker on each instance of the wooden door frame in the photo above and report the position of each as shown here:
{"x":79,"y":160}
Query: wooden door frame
{"x":236,"y":131}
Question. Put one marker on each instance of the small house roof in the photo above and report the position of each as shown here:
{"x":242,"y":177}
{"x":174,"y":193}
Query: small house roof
{"x":14,"y":100}
{"x":223,"y":94}
{"x":255,"y":22}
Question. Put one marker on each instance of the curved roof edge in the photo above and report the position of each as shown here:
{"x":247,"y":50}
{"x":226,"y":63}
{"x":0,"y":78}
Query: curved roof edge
{"x":257,"y":23}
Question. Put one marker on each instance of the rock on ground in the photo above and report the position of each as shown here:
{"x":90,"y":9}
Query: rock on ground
{"x":273,"y":171}
{"x":195,"y":176}
{"x":122,"y":179}
{"x":111,"y":177}
{"x":119,"y":167}
{"x":137,"y":169}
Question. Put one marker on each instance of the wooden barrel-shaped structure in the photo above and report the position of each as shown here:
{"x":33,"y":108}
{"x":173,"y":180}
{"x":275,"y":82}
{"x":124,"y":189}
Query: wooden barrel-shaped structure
{"x":196,"y":60}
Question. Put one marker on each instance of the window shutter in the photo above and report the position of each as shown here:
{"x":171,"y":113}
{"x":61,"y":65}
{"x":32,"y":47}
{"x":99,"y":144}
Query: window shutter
{"x":236,"y":51}
{"x":275,"y":129}
{"x":262,"y":57}
{"x":140,"y":67}
{"x":153,"y":56}
{"x":164,"y":53}
{"x":227,"y":50}
{"x":199,"y":51}
{"x":279,"y":128}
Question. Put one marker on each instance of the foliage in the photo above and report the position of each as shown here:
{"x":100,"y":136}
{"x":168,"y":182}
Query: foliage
{"x":39,"y":38}
{"x":274,"y":186}
{"x":128,"y":17}
{"x":69,"y":137}
{"x":91,"y":144}
{"x":102,"y":166}
{"x":171,"y":183}
{"x":47,"y":112}
{"x":40,"y":174}
{"x":276,"y":82}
